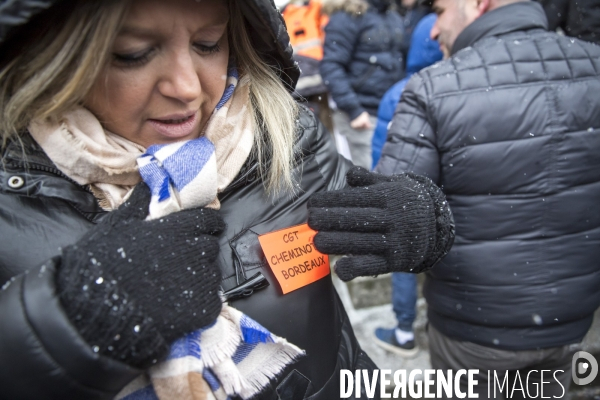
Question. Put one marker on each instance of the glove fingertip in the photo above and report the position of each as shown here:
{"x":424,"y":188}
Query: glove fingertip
{"x":212,"y":216}
{"x":137,"y":206}
{"x":217,"y":222}
{"x":343,"y":269}
{"x":314,"y":221}
{"x":359,"y":176}
{"x":318,"y":242}
{"x":203,"y":221}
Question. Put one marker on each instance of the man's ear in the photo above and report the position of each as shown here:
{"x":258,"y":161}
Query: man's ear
{"x":483,"y":6}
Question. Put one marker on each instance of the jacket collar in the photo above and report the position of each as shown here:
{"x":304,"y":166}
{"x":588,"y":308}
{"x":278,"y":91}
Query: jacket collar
{"x":513,"y":17}
{"x":25,"y":151}
{"x":37,"y":176}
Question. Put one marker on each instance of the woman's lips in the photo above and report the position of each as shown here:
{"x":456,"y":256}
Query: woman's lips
{"x":176,"y":126}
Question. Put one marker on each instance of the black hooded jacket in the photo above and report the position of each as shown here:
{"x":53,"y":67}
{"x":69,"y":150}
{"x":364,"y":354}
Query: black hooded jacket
{"x":46,"y":211}
{"x":42,"y":210}
{"x":509,"y":128}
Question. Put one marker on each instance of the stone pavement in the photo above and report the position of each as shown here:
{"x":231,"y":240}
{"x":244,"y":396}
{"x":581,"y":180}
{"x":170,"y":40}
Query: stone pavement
{"x":367,"y":303}
{"x":365,"y":319}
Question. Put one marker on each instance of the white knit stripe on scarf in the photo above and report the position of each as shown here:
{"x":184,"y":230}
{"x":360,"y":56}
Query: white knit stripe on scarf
{"x":191,"y":173}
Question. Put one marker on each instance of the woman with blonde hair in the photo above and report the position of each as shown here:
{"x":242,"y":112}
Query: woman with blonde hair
{"x":149,"y":151}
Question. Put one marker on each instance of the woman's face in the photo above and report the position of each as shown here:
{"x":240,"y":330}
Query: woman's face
{"x":166,"y":73}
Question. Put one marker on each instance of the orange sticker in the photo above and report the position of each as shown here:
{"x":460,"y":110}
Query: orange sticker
{"x":293,"y":257}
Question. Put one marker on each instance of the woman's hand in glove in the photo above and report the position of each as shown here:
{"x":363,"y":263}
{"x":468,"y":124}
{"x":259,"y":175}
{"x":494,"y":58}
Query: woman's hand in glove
{"x":399,"y":223}
{"x":131,"y":286}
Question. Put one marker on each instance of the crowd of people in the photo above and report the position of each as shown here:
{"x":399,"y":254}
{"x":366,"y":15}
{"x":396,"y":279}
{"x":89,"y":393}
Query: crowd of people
{"x":507,"y":124}
{"x":171,"y":191}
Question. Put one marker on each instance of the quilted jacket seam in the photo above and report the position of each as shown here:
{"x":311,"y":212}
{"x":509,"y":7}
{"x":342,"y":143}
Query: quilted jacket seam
{"x":510,"y":86}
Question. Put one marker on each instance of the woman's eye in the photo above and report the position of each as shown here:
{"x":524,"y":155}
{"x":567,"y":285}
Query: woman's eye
{"x":203,"y":48}
{"x":133,"y":59}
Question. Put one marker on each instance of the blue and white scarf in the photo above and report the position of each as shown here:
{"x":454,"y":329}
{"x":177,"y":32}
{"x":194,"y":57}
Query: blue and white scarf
{"x":191,"y":173}
{"x":235,"y":355}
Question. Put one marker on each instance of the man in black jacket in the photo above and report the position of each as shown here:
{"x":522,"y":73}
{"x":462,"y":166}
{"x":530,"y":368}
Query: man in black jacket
{"x":508,"y":127}
{"x":580,"y":19}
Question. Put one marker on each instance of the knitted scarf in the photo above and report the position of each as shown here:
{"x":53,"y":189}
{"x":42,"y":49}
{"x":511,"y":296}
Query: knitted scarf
{"x":235,"y":355}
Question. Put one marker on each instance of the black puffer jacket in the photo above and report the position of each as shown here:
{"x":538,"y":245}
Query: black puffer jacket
{"x":580,"y":19}
{"x":362,"y":54}
{"x":509,"y":126}
{"x":41,"y":211}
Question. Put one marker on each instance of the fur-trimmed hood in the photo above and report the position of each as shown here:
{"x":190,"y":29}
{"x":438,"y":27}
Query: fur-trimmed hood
{"x":267,"y":30}
{"x":353,"y":7}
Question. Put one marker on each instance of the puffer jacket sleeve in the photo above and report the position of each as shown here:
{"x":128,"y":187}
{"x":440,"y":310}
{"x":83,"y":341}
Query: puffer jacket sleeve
{"x":341,"y":35}
{"x":411,"y":143}
{"x":43,"y":356}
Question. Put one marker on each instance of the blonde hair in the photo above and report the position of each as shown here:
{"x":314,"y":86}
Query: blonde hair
{"x":275,"y":111}
{"x":56,"y":72}
{"x":352,"y":7}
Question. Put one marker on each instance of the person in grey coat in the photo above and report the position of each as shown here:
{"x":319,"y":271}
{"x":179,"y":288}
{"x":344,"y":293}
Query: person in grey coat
{"x":508,"y":126}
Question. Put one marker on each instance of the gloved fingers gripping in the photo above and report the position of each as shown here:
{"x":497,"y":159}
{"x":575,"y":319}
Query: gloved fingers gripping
{"x":185,"y":238}
{"x":135,"y":208}
{"x":207,"y":220}
{"x":359,"y":176}
{"x":208,"y":309}
{"x":344,"y":219}
{"x":208,"y":251}
{"x":334,"y":242}
{"x":350,"y":197}
{"x":192,"y":222}
{"x":199,"y":268}
{"x":348,"y":268}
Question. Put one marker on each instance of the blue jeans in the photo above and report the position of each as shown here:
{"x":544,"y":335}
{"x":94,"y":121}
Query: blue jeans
{"x":404,"y":299}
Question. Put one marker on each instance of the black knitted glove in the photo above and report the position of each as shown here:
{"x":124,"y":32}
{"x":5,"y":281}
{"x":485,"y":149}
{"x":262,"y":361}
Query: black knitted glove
{"x":131,"y":287}
{"x":399,"y":223}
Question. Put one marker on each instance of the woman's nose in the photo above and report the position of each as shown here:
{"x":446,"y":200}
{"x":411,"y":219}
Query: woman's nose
{"x":181,"y":80}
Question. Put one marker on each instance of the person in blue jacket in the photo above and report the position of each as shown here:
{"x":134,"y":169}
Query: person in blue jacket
{"x":423,"y":52}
